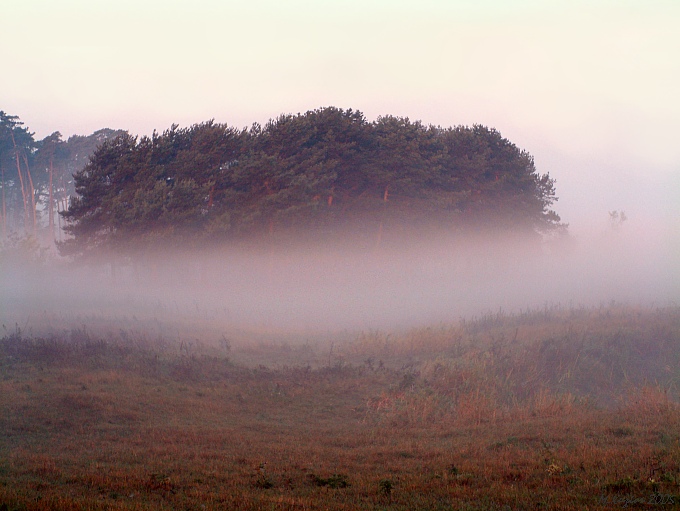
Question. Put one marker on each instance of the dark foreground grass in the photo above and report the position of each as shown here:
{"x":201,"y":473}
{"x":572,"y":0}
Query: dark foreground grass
{"x":575,"y":410}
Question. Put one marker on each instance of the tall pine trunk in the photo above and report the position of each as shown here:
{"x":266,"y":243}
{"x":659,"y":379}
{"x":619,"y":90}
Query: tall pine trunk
{"x":22,"y":183}
{"x":51,"y":202}
{"x":378,"y":240}
{"x":4,"y":208}
{"x":31,"y":190}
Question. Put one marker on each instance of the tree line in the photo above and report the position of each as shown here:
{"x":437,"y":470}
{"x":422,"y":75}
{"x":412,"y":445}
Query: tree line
{"x":314,"y":174}
{"x":36,"y":177}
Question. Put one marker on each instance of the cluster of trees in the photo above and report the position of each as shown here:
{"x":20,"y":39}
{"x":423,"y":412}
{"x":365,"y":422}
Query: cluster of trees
{"x":315,"y":174}
{"x":320,"y":172}
{"x":36,"y":177}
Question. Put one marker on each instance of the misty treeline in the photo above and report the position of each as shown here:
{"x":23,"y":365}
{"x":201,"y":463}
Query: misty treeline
{"x":36,"y":179}
{"x":320,"y":173}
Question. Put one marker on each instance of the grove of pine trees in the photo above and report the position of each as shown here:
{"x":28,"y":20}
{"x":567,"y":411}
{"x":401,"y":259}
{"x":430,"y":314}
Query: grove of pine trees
{"x":36,"y":177}
{"x":321,"y":173}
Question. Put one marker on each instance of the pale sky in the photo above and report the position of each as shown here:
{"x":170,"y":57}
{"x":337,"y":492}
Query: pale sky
{"x":590,"y":88}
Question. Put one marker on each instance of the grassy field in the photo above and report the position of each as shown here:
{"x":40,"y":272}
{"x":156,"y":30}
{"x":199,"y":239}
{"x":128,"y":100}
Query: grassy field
{"x":552,"y":409}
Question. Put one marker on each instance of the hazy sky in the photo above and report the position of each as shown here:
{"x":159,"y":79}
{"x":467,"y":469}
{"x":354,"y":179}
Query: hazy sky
{"x":590,"y":88}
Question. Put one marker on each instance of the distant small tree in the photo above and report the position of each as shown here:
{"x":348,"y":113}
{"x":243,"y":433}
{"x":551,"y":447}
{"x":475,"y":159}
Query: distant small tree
{"x":616,"y":218}
{"x":50,"y":159}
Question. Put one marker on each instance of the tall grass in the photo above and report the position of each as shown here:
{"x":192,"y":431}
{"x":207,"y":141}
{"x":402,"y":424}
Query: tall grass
{"x":553,"y":409}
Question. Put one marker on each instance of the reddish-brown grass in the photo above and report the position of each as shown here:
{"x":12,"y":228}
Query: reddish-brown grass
{"x":502,"y":413}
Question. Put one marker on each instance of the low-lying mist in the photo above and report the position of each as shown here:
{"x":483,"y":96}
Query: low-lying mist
{"x":313,"y":288}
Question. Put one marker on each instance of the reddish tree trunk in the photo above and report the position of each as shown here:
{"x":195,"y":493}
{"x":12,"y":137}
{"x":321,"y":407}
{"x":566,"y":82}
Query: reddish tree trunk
{"x":31,"y":190}
{"x":4,"y":208}
{"x":378,"y":241}
{"x":51,"y":199}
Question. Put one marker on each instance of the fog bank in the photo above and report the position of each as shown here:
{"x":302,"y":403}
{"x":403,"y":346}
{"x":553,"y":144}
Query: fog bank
{"x":316,"y":288}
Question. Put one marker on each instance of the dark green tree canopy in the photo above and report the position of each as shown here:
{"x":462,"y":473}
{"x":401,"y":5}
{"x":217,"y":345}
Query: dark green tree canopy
{"x":299,"y":174}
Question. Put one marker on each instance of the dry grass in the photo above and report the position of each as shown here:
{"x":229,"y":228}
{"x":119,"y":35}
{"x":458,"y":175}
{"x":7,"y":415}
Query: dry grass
{"x":559,"y":410}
